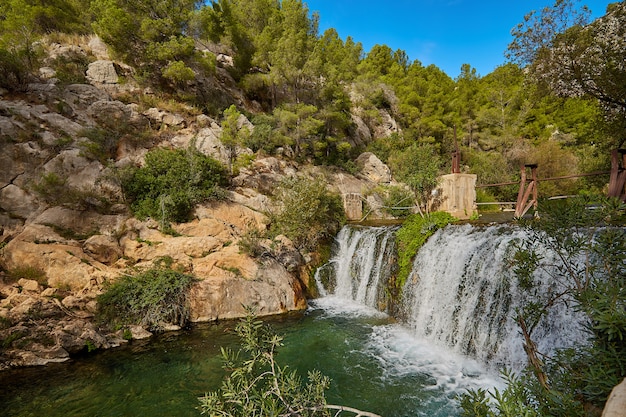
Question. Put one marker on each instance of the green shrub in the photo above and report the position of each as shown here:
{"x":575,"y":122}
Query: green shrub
{"x":171,"y":182}
{"x":178,"y":73}
{"x":307,"y":212}
{"x":13,"y":71}
{"x":150,"y":298}
{"x":397,"y":201}
{"x":71,"y":68}
{"x":483,"y":196}
{"x":55,"y":191}
{"x":259,"y":386}
{"x":27,"y":272}
{"x":412,"y":235}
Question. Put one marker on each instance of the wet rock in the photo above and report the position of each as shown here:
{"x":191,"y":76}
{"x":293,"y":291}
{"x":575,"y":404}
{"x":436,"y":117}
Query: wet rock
{"x":139,"y":332}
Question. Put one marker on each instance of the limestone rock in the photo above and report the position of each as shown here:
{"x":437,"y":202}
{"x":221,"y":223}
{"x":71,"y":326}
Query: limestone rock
{"x":273,"y":291}
{"x":243,"y":218}
{"x":387,"y":127}
{"x":373,"y":169}
{"x":81,"y":222}
{"x":160,"y":117}
{"x":80,"y":172}
{"x":102,"y":72}
{"x":363,"y":135}
{"x":208,"y":142}
{"x":110,"y":113}
{"x":98,"y":48}
{"x":64,"y":265}
{"x":225,"y":263}
{"x":103,"y":248}
{"x":17,"y":202}
{"x":81,"y":96}
{"x":29,"y":285}
{"x":139,"y":332}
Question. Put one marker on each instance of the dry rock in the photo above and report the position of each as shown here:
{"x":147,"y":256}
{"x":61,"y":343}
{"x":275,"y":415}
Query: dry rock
{"x":373,"y":169}
{"x":18,"y":202}
{"x":616,"y":403}
{"x":102,"y":72}
{"x":102,"y":248}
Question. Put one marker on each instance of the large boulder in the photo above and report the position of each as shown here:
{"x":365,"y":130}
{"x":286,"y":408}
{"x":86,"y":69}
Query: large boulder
{"x":373,"y":169}
{"x":272,"y":291}
{"x":62,"y":261}
{"x":102,"y":72}
{"x":18,"y":202}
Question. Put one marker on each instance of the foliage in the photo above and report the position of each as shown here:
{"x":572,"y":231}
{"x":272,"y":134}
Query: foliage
{"x":573,"y":58}
{"x":306,"y":212}
{"x":397,"y":200}
{"x":418,"y":166}
{"x":171,"y":182}
{"x":152,"y":298}
{"x":55,"y":190}
{"x":13,"y":70}
{"x":589,"y":240}
{"x":27,"y":272}
{"x":415,"y":230}
{"x":258,"y":386}
{"x":233,"y":135}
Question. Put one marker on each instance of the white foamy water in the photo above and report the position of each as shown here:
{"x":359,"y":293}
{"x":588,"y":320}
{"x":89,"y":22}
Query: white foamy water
{"x":401,"y":355}
{"x":459,"y":302}
{"x":463,"y":296}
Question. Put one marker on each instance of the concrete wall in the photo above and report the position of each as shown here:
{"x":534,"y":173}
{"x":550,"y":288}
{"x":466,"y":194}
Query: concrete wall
{"x":353,"y":204}
{"x":456,"y":195}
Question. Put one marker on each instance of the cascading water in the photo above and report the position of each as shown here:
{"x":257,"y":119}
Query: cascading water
{"x":461,"y":293}
{"x":364,"y":258}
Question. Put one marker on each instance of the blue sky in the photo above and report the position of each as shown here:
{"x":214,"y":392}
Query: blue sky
{"x":447,"y":33}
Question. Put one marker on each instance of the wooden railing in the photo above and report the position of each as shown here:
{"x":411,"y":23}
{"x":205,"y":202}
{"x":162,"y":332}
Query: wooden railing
{"x":528,"y":190}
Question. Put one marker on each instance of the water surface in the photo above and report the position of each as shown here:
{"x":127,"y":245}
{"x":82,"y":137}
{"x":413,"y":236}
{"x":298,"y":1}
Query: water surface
{"x":374,"y":363}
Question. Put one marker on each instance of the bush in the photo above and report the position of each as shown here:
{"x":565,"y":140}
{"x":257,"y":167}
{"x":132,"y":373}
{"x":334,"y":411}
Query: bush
{"x":307,"y":212}
{"x":412,"y":235}
{"x":27,"y":272}
{"x":398,"y":201}
{"x":171,"y":182}
{"x":13,"y":71}
{"x":56,"y":191}
{"x":150,"y":298}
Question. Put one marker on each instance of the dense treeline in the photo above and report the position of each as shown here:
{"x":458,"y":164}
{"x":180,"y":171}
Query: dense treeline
{"x":310,"y":86}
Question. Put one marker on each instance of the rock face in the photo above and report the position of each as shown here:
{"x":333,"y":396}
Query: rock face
{"x":66,"y":230}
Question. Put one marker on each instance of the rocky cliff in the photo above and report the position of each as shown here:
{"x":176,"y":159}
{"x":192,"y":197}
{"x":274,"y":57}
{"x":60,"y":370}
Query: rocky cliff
{"x":65,"y":230}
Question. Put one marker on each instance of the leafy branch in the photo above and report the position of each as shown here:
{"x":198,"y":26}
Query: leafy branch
{"x":259,"y":386}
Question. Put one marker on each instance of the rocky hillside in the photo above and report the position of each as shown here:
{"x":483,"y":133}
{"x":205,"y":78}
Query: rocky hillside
{"x":66,"y":230}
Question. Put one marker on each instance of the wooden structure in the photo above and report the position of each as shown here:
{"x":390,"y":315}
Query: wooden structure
{"x":524,"y":200}
{"x":617,"y":181}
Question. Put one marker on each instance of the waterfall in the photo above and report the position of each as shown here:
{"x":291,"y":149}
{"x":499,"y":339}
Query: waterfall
{"x":362,"y":262}
{"x":461,"y":293}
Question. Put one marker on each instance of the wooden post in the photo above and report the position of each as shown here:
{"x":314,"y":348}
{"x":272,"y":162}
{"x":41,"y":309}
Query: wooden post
{"x":523,"y":203}
{"x":618,"y":174}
